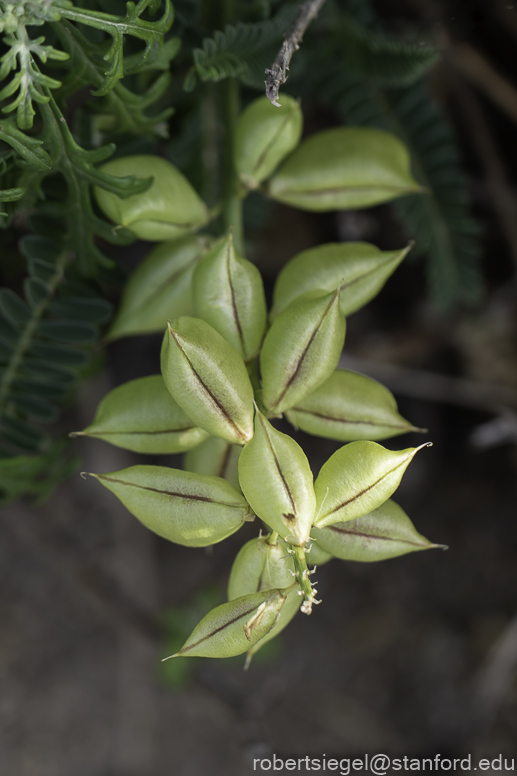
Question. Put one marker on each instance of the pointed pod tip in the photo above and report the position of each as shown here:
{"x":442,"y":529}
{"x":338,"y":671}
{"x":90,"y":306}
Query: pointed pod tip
{"x":417,"y":430}
{"x":176,"y":654}
{"x":74,"y":434}
{"x":84,"y":475}
{"x":420,"y":447}
{"x":439,"y":547}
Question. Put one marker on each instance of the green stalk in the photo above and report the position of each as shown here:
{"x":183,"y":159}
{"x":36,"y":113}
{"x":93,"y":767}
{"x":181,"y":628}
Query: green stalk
{"x":232,"y":202}
{"x":302,"y":578}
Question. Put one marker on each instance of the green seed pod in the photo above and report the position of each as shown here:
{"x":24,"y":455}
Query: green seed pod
{"x":276,"y":480}
{"x":348,"y":407}
{"x":142,"y":416}
{"x":160,"y":288}
{"x":229,"y":295}
{"x":260,"y":566}
{"x":190,"y":509}
{"x":265,"y":135}
{"x":301,"y":349}
{"x":263,"y":566}
{"x":357,"y":479}
{"x":169,"y":209}
{"x":208,"y":379}
{"x":217,"y":457}
{"x":345,"y":167}
{"x":361,"y":268}
{"x":387,"y":532}
{"x":232,"y":628}
{"x":317,"y":556}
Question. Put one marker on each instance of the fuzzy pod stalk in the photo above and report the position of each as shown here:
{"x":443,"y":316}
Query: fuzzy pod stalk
{"x":169,"y":209}
{"x":229,"y":295}
{"x":232,"y":628}
{"x":301,"y":349}
{"x":357,"y":479}
{"x":277,"y":482}
{"x":142,"y":416}
{"x":349,"y":407}
{"x":194,"y":510}
{"x":160,"y":288}
{"x":265,"y":135}
{"x":208,"y":379}
{"x":342,"y":168}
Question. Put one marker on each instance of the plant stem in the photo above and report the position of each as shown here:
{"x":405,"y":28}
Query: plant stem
{"x":302,"y":578}
{"x":232,"y":203}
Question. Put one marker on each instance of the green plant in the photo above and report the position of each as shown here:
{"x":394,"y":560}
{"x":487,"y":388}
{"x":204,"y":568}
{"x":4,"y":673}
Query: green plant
{"x":230,"y":370}
{"x":227,"y":375}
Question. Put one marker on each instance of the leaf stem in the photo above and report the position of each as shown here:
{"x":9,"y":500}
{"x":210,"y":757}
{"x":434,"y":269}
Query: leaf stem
{"x":232,"y":202}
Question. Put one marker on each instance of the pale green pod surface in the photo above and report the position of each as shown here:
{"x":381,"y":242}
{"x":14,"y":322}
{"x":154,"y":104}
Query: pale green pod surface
{"x":357,"y":479}
{"x":277,"y":482}
{"x":262,"y":566}
{"x":142,"y":416}
{"x":217,"y":457}
{"x":169,"y":209}
{"x":190,"y":509}
{"x":232,"y":628}
{"x":349,"y":407}
{"x":361,"y":268}
{"x":317,"y":556}
{"x":265,"y":135}
{"x":345,"y":167}
{"x":387,"y":532}
{"x":160,"y":288}
{"x":301,"y":349}
{"x":229,"y":295}
{"x":208,"y":379}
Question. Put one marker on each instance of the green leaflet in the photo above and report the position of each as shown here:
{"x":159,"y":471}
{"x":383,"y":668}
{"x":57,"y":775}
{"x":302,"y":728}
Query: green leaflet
{"x":387,"y":532}
{"x":301,"y":349}
{"x":232,"y":628}
{"x":344,"y":168}
{"x":215,"y":456}
{"x":160,"y":288}
{"x":361,"y":268}
{"x":263,"y":566}
{"x":348,"y":407}
{"x":142,"y":416}
{"x":229,"y":295}
{"x":169,"y":209}
{"x":264,"y":136}
{"x":357,"y":479}
{"x":276,"y":480}
{"x":185,"y":508}
{"x":208,"y":379}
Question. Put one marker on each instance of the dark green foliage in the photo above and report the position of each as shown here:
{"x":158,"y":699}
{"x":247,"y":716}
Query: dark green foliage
{"x":242,"y":51}
{"x":45,"y":340}
{"x":373,"y":55}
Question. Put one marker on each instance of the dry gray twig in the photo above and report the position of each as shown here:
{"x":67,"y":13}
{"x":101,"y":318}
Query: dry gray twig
{"x":277,"y":73}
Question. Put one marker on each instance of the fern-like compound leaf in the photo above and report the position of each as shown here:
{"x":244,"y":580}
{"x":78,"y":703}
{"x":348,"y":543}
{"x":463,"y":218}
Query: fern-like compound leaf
{"x":242,"y":51}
